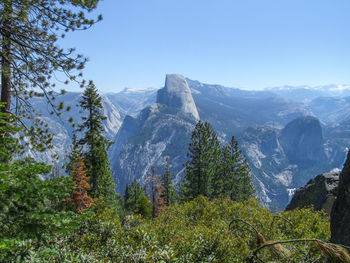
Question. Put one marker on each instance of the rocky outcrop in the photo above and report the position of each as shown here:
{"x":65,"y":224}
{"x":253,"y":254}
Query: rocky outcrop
{"x":340,"y":216}
{"x":320,"y":192}
{"x":302,"y":141}
{"x":161,"y":130}
{"x":177,"y":94}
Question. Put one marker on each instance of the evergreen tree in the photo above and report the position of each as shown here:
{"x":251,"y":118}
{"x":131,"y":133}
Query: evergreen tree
{"x":204,"y":155}
{"x":30,"y":55}
{"x":131,"y":195}
{"x":169,"y":193}
{"x":30,"y":206}
{"x":136,"y":201}
{"x":73,"y":155}
{"x":95,"y":146}
{"x":9,"y":145}
{"x":234,"y":179}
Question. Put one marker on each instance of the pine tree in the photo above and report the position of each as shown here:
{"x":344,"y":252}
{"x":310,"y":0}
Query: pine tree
{"x":131,"y":195}
{"x":30,"y":31}
{"x":136,"y":201}
{"x":169,"y":193}
{"x":79,"y":199}
{"x":9,"y":145}
{"x":29,"y":205}
{"x":204,"y":155}
{"x":95,"y":146}
{"x":73,"y":155}
{"x":235,"y":174}
{"x":156,"y":190}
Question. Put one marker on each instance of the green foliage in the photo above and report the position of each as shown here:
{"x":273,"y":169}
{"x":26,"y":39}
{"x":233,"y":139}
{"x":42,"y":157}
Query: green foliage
{"x":31,"y":208}
{"x":204,"y":155}
{"x":135,"y":200}
{"x":169,"y":194}
{"x":234,"y":177}
{"x":31,"y":57}
{"x":215,"y":172}
{"x":205,"y":231}
{"x":144,"y":206}
{"x":9,"y":145}
{"x":95,"y":147}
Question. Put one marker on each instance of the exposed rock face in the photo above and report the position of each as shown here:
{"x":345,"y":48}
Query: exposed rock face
{"x":302,"y":141}
{"x":63,"y":130}
{"x":275,"y":164}
{"x":267,"y":160}
{"x":340,"y":216}
{"x":161,"y":130}
{"x":177,"y":94}
{"x":319,"y":192}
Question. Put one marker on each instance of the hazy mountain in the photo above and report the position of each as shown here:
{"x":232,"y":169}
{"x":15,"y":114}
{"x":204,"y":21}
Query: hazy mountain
{"x":272,"y":131}
{"x":62,"y":129}
{"x":305,"y":94}
{"x":231,"y":111}
{"x":132,"y":101}
{"x":283,"y":146}
{"x":284,"y":160}
{"x":330,"y":110}
{"x":159,"y":131}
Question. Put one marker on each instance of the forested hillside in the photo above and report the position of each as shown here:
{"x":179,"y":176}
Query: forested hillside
{"x":209,"y":213}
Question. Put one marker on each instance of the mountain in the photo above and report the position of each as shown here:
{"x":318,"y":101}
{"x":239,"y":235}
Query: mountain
{"x":63,"y":130}
{"x":320,"y":192}
{"x":340,"y":216}
{"x":283,"y":160}
{"x":177,"y":94}
{"x":330,"y":110}
{"x":132,"y":101}
{"x":303,"y":142}
{"x":267,"y":127}
{"x":231,"y":111}
{"x":161,"y":130}
{"x":286,"y":140}
{"x":305,"y":94}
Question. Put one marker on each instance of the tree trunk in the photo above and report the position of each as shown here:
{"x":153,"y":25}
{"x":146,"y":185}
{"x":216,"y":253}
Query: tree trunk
{"x":6,"y":57}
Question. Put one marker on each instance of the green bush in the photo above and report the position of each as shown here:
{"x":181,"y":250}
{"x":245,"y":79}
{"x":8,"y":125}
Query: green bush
{"x":206,"y":231}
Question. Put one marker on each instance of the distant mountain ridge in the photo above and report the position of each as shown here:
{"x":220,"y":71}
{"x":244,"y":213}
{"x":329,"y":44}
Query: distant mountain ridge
{"x":149,"y":125}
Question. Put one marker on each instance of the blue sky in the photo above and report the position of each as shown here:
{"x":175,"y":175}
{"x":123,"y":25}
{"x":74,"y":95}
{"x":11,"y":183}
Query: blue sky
{"x":237,"y":43}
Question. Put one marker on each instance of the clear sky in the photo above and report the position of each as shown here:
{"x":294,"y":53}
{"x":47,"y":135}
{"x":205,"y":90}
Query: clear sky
{"x":237,"y":43}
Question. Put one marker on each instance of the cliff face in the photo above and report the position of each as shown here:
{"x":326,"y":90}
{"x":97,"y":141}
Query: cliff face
{"x":320,"y":192}
{"x":340,"y":216}
{"x":159,"y":131}
{"x":302,"y":141}
{"x":177,"y":94}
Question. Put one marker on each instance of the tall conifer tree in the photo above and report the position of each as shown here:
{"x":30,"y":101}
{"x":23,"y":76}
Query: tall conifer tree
{"x":30,"y":55}
{"x":95,"y":146}
{"x":204,"y":155}
{"x":136,"y":201}
{"x":169,"y":193}
{"x":234,"y":179}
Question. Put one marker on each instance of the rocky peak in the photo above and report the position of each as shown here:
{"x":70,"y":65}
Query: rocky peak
{"x":320,"y":192}
{"x":340,"y":216}
{"x":302,"y":141}
{"x":177,"y":94}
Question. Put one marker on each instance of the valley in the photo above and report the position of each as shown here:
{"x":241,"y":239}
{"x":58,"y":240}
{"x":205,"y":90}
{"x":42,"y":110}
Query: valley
{"x":288,"y":134}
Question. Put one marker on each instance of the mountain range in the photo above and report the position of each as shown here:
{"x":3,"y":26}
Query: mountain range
{"x":288,"y":134}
